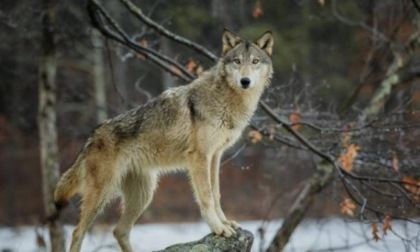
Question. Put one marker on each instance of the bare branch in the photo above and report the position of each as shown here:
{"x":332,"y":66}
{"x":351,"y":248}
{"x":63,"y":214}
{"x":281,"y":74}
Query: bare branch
{"x":278,"y":138}
{"x":416,"y":5}
{"x":296,"y":134}
{"x":362,"y":25}
{"x":164,"y":32}
{"x":168,"y":64}
{"x":373,"y":209}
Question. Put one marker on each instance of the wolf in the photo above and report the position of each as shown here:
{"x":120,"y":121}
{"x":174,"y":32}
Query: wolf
{"x":187,"y":127}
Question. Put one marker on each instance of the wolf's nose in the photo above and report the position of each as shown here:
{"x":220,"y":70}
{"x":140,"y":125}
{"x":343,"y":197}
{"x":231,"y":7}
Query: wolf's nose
{"x":245,"y":81}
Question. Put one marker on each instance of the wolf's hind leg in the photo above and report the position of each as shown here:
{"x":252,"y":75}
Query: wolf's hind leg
{"x":137,"y":189}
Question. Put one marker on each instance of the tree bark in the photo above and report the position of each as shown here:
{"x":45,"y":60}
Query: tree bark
{"x":382,"y":94}
{"x":167,"y":79}
{"x":47,"y":122}
{"x":98,"y":76}
{"x":321,"y":179}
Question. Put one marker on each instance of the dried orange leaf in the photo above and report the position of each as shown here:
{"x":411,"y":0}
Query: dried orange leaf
{"x":347,"y":207}
{"x":258,"y":11}
{"x":413,"y":186}
{"x":348,"y":156}
{"x":375,"y":231}
{"x":255,"y":136}
{"x":294,"y":118}
{"x":387,"y":224}
{"x":191,"y":65}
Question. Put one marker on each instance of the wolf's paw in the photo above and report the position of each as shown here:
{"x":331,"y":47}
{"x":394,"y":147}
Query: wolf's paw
{"x":224,"y":230}
{"x":231,"y":223}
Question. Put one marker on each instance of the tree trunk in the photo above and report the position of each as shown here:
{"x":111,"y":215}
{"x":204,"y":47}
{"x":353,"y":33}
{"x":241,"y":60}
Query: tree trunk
{"x":98,"y":76}
{"x":167,"y":79}
{"x":216,"y":8}
{"x":321,"y":179}
{"x":47,"y":122}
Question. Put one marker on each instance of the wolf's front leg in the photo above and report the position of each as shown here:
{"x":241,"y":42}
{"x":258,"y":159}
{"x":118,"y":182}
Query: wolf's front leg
{"x":215,"y":185}
{"x":199,"y":170}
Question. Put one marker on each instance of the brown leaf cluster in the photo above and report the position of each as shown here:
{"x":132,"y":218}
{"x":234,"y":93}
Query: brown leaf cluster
{"x":413,"y":186}
{"x":348,"y":156}
{"x":294,"y":118}
{"x":258,"y":11}
{"x":375,"y":231}
{"x":347,"y":207}
{"x":349,"y":153}
{"x":193,"y":68}
{"x":191,"y":65}
{"x":386,"y":226}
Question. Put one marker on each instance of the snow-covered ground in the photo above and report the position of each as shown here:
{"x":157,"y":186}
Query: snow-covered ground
{"x":312,"y":235}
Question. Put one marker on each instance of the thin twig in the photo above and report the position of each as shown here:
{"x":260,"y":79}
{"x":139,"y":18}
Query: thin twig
{"x":166,"y":33}
{"x":341,"y":18}
{"x":174,"y":67}
{"x":233,"y":155}
{"x":296,"y":134}
{"x":416,"y":5}
{"x":111,"y":68}
{"x":373,"y":210}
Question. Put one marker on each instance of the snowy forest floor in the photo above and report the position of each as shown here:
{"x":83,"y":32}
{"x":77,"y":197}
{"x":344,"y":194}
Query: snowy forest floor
{"x":332,"y":234}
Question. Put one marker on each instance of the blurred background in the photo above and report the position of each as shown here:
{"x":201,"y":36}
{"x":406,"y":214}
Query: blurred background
{"x":330,"y":58}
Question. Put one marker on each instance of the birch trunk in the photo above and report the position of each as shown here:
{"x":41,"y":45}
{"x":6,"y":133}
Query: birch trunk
{"x":167,"y":79}
{"x":47,"y":122}
{"x":98,"y":76}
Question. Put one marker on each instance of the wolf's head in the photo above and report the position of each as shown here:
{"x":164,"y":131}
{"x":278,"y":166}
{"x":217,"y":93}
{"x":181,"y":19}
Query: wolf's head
{"x":247,"y":64}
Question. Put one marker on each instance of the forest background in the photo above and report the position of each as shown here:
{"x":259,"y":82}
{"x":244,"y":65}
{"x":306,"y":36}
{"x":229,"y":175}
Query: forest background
{"x":346,"y":78}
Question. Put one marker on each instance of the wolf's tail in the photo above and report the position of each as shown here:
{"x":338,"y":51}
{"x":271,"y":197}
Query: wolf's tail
{"x":67,"y":186}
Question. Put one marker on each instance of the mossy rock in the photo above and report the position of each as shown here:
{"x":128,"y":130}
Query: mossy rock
{"x":242,"y":242}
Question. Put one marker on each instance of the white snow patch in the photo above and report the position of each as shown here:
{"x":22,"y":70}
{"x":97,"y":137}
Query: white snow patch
{"x":334,"y":234}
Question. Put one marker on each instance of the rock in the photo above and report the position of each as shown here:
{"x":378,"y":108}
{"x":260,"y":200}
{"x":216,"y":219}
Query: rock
{"x":242,"y":242}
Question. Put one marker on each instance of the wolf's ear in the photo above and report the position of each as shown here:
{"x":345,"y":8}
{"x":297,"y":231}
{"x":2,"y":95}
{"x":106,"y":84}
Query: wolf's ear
{"x":265,"y":42}
{"x":230,"y":40}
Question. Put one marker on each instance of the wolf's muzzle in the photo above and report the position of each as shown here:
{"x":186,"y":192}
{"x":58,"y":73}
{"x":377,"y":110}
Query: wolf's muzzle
{"x":245,"y":81}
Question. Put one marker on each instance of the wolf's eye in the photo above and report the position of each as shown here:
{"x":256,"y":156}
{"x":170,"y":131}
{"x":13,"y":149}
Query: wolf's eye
{"x":237,"y":61}
{"x":255,"y":61}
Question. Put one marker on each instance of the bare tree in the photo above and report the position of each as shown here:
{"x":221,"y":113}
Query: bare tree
{"x":47,"y":121}
{"x":98,"y":77}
